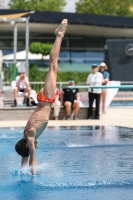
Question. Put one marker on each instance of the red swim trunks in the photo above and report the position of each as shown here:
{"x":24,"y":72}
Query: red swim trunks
{"x":41,"y":97}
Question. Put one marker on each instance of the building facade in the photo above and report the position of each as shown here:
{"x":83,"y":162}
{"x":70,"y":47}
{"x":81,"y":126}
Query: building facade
{"x":84,"y":42}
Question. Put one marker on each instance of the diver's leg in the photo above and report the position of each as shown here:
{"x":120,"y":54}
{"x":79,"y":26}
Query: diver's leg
{"x":50,"y":82}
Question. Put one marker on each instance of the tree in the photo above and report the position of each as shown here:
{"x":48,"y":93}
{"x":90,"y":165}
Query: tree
{"x":40,"y":48}
{"x":40,"y":5}
{"x":105,"y":7}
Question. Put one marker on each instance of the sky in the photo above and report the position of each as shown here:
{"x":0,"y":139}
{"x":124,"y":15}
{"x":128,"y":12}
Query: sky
{"x":70,"y":6}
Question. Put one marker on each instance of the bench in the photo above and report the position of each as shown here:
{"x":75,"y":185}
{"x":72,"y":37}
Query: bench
{"x":82,"y":114}
{"x":24,"y":113}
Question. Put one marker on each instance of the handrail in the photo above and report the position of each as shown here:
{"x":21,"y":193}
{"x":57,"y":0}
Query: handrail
{"x":35,"y":82}
{"x":39,"y":83}
{"x":100,"y":87}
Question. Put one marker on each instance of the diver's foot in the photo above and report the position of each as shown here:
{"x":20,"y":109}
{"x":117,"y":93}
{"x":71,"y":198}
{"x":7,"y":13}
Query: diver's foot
{"x":60,"y":31}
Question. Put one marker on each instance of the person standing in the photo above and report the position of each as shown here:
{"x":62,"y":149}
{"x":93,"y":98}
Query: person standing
{"x":102,"y":69}
{"x":94,"y":79}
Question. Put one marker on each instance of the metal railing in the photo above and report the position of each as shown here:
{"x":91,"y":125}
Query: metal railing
{"x":123,"y":98}
{"x":34,"y":85}
{"x":38,"y":85}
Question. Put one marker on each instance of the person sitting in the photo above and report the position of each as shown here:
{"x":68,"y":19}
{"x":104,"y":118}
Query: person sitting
{"x":70,"y":100}
{"x":22,"y":85}
{"x":56,"y":105}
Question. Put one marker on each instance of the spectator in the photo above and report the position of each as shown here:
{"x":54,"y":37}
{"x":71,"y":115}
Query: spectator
{"x":70,"y":99}
{"x":94,"y":79}
{"x":22,"y":85}
{"x":102,"y":69}
{"x":56,"y":104}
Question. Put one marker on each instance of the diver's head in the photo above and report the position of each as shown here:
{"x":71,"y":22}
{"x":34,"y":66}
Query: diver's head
{"x":21,"y":148}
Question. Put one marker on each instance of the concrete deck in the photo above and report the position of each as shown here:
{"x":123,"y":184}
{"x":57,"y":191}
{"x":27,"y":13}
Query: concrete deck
{"x":115,"y":116}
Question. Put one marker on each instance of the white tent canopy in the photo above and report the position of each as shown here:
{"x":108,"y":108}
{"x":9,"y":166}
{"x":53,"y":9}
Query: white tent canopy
{"x":22,"y":56}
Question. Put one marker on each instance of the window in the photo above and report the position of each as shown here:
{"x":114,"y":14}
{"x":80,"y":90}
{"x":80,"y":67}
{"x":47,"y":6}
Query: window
{"x":77,"y":56}
{"x":64,"y":55}
{"x":94,"y":57}
{"x":94,"y":42}
{"x":76,"y":43}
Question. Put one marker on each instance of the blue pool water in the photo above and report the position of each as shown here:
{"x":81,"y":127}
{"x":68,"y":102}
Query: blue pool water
{"x":74,"y":163}
{"x":123,"y":103}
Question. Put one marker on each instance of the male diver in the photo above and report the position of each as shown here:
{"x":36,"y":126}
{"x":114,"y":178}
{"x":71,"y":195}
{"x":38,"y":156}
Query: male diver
{"x":46,"y":96}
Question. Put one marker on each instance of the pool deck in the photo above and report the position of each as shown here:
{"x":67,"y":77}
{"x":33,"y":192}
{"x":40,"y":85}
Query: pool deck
{"x":115,"y":116}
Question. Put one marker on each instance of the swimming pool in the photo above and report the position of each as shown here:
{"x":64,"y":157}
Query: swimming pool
{"x":123,"y":103}
{"x":74,"y":163}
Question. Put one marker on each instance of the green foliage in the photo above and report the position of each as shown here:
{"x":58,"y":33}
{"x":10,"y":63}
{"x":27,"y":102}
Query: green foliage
{"x":40,"y":48}
{"x":78,"y":76}
{"x":40,"y":5}
{"x":105,"y":7}
{"x":36,"y":75}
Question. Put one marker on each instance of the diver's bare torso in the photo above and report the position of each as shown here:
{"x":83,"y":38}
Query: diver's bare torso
{"x":38,"y":120}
